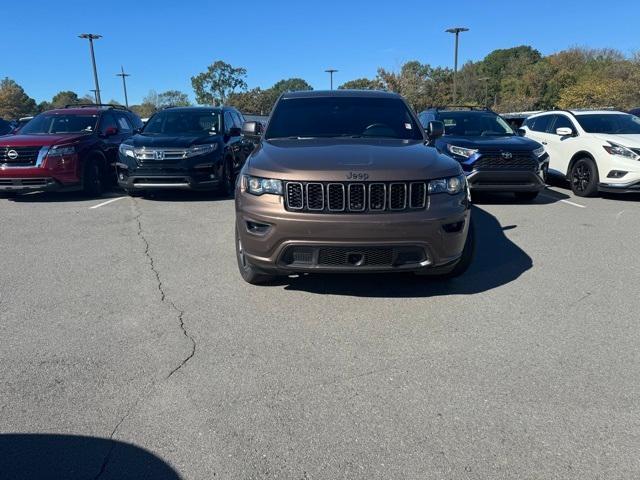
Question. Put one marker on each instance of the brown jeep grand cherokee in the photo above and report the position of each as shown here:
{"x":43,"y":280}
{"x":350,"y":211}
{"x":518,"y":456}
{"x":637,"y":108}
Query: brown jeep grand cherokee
{"x":345,"y":181}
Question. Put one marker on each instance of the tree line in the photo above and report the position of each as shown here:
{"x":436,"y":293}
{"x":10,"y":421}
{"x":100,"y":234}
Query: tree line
{"x":507,"y":80}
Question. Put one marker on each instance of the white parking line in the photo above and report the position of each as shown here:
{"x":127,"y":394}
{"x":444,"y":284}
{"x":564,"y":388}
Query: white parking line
{"x":107,"y":202}
{"x":545,"y":194}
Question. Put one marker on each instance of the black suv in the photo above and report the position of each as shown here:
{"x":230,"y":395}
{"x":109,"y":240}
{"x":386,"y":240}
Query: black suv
{"x":71,"y":148}
{"x":493,"y":157}
{"x":197,"y":148}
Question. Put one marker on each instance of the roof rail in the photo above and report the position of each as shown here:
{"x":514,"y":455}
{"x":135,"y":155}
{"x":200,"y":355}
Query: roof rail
{"x":451,"y":107}
{"x":96,"y":105}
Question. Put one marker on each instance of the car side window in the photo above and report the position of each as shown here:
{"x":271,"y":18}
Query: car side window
{"x":425,"y":118}
{"x":123,"y":123}
{"x":107,"y":121}
{"x":228,"y":122}
{"x":239,"y":119}
{"x":539,"y":124}
{"x":562,"y":121}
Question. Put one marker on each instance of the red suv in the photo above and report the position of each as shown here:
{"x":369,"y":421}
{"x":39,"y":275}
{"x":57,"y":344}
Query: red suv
{"x":72,"y":148}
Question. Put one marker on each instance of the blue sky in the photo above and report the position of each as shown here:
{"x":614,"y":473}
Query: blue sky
{"x":163,"y":43}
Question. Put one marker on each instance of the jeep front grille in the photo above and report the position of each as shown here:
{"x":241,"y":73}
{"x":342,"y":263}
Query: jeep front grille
{"x":336,"y":197}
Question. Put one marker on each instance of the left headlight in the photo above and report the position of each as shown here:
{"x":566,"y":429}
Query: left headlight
{"x":538,"y":152}
{"x":201,"y":149}
{"x":461,"y":151}
{"x":619,"y":150}
{"x":60,"y":151}
{"x":451,"y":185}
{"x":127,"y":150}
{"x":259,"y":186}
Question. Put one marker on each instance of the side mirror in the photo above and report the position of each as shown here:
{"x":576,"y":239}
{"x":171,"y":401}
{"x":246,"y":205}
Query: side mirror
{"x":521,"y":132}
{"x":435,"y":129}
{"x":252,"y":129}
{"x":110,"y":131}
{"x":234,"y":132}
{"x":564,"y":131}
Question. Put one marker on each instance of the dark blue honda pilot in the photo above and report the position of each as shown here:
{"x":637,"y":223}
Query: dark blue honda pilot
{"x":494,"y":158}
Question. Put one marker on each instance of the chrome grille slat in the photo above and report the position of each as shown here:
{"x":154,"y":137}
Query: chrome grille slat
{"x":348,"y":197}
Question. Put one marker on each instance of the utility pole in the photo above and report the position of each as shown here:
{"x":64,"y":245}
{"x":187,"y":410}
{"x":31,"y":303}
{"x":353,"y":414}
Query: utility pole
{"x":456,"y":31}
{"x":486,"y":90}
{"x":95,"y":97}
{"x":124,"y":84}
{"x":331,"y":71}
{"x":91,"y":37}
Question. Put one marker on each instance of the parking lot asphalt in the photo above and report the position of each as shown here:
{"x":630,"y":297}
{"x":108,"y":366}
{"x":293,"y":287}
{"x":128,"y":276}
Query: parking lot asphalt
{"x":128,"y":321}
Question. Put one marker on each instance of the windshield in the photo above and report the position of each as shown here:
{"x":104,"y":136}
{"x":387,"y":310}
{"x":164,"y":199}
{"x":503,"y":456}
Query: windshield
{"x":5,"y":127}
{"x":474,"y":124}
{"x":612,"y":123}
{"x":50,"y":124}
{"x":201,"y":122}
{"x":342,"y":117}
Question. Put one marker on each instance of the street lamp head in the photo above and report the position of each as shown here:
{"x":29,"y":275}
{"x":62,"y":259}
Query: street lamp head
{"x":457,"y":30}
{"x":331,"y":70}
{"x":90,"y":36}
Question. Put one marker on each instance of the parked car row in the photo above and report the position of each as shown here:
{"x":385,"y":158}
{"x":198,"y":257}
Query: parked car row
{"x":339,"y":181}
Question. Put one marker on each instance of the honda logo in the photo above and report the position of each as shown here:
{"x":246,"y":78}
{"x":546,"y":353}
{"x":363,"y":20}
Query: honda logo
{"x":158,"y":155}
{"x":507,"y":155}
{"x":12,"y":154}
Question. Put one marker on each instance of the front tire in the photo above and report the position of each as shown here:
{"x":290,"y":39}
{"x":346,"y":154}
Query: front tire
{"x":227,"y":185}
{"x":248,"y":272}
{"x":92,"y":182}
{"x":584,"y":178}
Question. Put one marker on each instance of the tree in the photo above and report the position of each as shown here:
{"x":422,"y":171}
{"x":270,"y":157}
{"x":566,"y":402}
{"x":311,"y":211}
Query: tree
{"x":65,"y":97}
{"x":290,"y":85}
{"x":172,"y":98}
{"x":218,"y":82}
{"x":14,"y":102}
{"x":258,"y":101}
{"x":362,"y":84}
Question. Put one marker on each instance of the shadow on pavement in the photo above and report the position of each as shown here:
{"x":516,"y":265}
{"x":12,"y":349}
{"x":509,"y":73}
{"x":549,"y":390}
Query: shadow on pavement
{"x":546,"y":197}
{"x":184,"y":196}
{"x":497,"y":262}
{"x":69,"y":457}
{"x":60,"y":197}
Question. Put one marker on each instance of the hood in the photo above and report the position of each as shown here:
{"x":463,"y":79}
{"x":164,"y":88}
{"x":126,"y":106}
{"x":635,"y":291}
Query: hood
{"x":508,"y":142}
{"x":626,"y":140}
{"x":338,"y":160}
{"x":170,"y":141}
{"x":39,"y":140}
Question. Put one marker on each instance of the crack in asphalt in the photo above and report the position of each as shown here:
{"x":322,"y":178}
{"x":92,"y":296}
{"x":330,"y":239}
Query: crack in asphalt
{"x":185,"y":332}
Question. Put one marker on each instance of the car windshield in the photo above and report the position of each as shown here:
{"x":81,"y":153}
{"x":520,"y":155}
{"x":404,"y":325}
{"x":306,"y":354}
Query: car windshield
{"x":5,"y":127}
{"x":474,"y":124}
{"x":342,"y":117}
{"x":67,"y":123}
{"x":611,"y":123}
{"x":176,"y":122}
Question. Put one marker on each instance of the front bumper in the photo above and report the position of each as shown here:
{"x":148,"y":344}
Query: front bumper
{"x":167,"y":178}
{"x":275,"y":240}
{"x":29,"y":184}
{"x":631,"y":187}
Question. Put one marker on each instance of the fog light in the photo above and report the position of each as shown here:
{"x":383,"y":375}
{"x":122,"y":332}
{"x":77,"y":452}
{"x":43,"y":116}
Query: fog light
{"x":453,"y":227}
{"x":616,"y":174}
{"x":121,"y":176}
{"x":257,"y":228}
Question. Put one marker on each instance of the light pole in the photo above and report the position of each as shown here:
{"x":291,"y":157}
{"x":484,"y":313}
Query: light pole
{"x":331,"y":71}
{"x":124,"y":84}
{"x":456,"y":31}
{"x":91,"y":37}
{"x":486,"y":90}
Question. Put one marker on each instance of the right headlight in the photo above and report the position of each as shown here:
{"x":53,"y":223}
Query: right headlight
{"x":259,"y":186}
{"x":621,"y":151}
{"x":450,"y":185}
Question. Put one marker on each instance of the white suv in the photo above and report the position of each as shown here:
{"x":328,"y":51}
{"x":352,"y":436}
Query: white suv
{"x":594,"y":150}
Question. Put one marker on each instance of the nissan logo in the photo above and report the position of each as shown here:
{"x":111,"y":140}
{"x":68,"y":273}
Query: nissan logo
{"x":507,"y":155}
{"x":12,"y":154}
